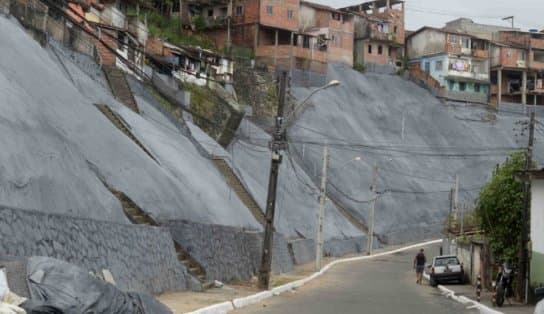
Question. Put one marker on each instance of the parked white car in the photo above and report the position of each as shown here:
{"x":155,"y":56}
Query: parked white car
{"x":445,"y":269}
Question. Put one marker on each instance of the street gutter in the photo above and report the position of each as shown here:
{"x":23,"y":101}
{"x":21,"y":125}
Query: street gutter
{"x":228,"y":306}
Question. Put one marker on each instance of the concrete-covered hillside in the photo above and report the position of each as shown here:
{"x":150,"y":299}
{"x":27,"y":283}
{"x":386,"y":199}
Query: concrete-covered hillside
{"x":418,"y":142}
{"x":59,"y":151}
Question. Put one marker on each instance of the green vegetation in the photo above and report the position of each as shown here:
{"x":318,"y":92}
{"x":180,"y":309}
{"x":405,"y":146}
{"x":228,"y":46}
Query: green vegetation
{"x":499,"y":209}
{"x":171,"y":29}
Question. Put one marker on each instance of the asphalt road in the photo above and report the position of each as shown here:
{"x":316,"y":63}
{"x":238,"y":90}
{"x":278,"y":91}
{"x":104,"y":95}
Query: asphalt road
{"x":386,"y":284}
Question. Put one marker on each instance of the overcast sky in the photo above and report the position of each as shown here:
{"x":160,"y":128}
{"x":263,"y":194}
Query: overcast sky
{"x":528,"y":13}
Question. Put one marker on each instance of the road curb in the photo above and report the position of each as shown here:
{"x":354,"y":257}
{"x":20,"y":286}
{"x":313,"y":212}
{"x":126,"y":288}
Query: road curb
{"x":467,"y":301}
{"x":225,"y":307}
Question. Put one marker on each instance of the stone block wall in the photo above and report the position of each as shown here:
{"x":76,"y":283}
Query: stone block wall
{"x":141,"y":258}
{"x":228,"y":253}
{"x":341,"y":247}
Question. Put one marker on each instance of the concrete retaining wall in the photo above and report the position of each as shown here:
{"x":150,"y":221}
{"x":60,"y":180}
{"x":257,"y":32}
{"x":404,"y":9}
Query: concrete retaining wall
{"x":228,"y":253}
{"x":141,"y":258}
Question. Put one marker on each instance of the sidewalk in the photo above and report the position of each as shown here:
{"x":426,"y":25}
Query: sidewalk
{"x":486,"y":297}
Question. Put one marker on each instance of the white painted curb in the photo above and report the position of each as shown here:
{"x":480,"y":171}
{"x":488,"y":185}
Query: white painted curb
{"x":219,"y":308}
{"x":467,"y":301}
{"x":228,"y":306}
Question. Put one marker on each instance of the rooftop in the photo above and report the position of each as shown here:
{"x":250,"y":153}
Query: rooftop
{"x":321,"y":7}
{"x":441,"y":30}
{"x":370,"y":5}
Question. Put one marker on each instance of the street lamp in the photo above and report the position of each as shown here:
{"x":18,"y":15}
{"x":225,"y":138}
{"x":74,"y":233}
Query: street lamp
{"x":290,"y":117}
{"x":370,"y":236}
{"x":322,"y":200}
{"x":277,"y":144}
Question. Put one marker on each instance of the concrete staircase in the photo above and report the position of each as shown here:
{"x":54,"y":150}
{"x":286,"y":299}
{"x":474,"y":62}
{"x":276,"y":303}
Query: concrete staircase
{"x":137,"y":216}
{"x":234,"y":182}
{"x":122,"y":126}
{"x":119,"y":87}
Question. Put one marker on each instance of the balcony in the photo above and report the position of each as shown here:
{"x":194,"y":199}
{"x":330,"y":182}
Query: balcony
{"x":286,"y":51}
{"x":537,"y":43}
{"x":471,"y":76}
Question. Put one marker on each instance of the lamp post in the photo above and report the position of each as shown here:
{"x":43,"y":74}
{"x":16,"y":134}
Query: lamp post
{"x":322,"y":200}
{"x":277,"y":144}
{"x":291,"y":116}
{"x":370,"y":239}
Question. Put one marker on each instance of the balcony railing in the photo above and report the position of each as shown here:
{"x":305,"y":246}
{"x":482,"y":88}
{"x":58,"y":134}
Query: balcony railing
{"x":216,"y":21}
{"x":283,"y":51}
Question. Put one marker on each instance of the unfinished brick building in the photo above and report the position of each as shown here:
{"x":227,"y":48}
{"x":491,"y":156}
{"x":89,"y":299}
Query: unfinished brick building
{"x":293,"y":35}
{"x":517,"y":68}
{"x":379,"y":32}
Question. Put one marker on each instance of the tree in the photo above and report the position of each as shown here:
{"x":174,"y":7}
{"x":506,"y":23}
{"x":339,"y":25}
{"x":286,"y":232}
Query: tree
{"x":500,"y":207}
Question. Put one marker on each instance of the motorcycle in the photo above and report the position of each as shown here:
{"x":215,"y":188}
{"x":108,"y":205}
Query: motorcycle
{"x":503,"y":284}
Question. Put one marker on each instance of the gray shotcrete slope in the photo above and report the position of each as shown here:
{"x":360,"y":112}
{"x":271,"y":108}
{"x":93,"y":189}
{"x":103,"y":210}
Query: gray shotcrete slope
{"x":418,"y":157}
{"x":58,"y":149}
{"x":297,"y":200}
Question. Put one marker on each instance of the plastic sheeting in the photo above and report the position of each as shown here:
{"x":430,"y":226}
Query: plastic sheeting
{"x":70,"y":289}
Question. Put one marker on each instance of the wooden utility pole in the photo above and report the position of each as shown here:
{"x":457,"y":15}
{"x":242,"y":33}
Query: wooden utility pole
{"x":276,"y":145}
{"x":524,"y":261}
{"x":372,"y":209}
{"x":321,"y":214}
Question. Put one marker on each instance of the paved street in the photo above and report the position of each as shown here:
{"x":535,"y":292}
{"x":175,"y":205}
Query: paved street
{"x":382,"y":285}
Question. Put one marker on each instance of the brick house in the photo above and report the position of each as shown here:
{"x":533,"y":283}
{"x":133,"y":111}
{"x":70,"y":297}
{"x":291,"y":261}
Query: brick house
{"x":379,"y":32}
{"x":517,"y":67}
{"x":456,"y":64}
{"x":293,"y":35}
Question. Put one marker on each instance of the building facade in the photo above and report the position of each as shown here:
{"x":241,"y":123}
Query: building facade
{"x":517,"y":68}
{"x":455,"y":65}
{"x":378,"y":32}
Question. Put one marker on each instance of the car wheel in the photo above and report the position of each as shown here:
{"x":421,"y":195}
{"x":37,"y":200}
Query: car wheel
{"x":433,"y":282}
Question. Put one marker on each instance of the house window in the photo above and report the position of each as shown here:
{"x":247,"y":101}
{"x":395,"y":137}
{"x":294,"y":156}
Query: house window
{"x":395,"y":29}
{"x":453,"y":40}
{"x":427,"y":67}
{"x":451,"y":84}
{"x":462,"y":86}
{"x":522,"y":55}
{"x":289,"y":14}
{"x":477,"y":87}
{"x":438,"y":66}
{"x":336,"y":16}
{"x":389,"y":51}
{"x":466,"y":42}
{"x":210,"y":13}
{"x":380,"y":49}
{"x":239,"y":10}
{"x":270,"y":10}
{"x":369,"y":49}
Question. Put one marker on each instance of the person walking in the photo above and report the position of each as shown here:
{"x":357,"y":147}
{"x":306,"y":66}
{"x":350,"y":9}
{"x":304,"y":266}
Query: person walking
{"x":419,"y":265}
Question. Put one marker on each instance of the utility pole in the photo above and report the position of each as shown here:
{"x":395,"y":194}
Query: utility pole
{"x":462,"y":223}
{"x":456,"y":198}
{"x":321,"y":214}
{"x":451,"y":210}
{"x":372,"y":208}
{"x":524,"y":262}
{"x":276,"y":145}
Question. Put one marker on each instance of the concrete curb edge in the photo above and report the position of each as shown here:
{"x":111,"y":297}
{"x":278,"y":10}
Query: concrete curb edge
{"x":225,"y":307}
{"x":464,"y":300}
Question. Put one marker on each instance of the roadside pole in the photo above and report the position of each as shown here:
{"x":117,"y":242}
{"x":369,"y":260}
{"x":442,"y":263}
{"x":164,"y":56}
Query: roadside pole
{"x":276,"y":145}
{"x":370,"y":235}
{"x":321,"y":214}
{"x":524,"y":262}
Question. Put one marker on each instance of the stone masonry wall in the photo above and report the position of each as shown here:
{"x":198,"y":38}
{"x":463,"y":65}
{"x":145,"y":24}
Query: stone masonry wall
{"x":228,"y":253}
{"x":141,"y":258}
